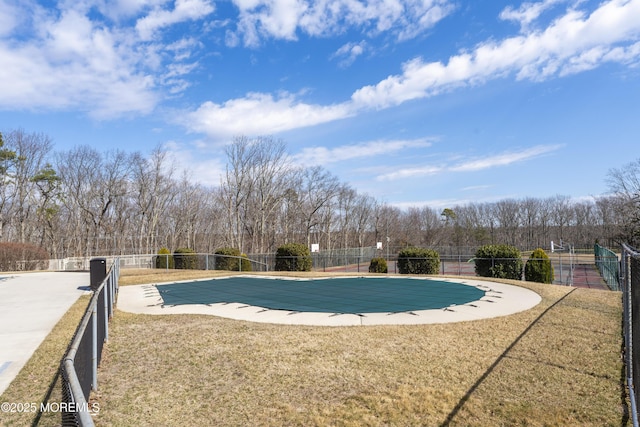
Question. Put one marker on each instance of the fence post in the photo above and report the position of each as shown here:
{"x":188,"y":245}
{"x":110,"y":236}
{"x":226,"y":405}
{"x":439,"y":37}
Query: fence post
{"x":94,"y":346}
{"x":106,"y":297}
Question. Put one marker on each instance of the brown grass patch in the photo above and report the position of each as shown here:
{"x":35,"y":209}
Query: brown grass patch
{"x":556,"y":364}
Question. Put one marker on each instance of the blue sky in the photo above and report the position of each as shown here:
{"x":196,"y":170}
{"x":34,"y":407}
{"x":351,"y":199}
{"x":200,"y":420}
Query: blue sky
{"x":415,"y":102}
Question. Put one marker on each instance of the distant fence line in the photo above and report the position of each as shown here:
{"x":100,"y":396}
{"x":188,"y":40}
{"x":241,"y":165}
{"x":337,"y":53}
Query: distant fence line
{"x":358,"y":260}
{"x":322,"y":259}
{"x":79,"y":367}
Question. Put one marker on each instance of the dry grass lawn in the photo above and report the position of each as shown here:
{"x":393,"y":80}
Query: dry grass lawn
{"x":557,"y":364}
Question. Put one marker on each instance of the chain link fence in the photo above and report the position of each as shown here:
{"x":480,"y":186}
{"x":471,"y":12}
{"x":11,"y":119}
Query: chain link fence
{"x":608,"y":265}
{"x":630,"y":280}
{"x":452,"y":262}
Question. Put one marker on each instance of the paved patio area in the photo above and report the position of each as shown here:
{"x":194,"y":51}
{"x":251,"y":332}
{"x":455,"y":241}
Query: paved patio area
{"x":30,"y":306}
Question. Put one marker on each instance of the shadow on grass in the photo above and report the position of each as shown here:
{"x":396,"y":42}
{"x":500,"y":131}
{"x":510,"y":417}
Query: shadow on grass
{"x":504,"y":354}
{"x":623,"y":386}
{"x":53,"y":386}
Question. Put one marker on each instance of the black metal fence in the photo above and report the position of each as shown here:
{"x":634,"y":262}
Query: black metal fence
{"x":79,"y":367}
{"x":630,"y":280}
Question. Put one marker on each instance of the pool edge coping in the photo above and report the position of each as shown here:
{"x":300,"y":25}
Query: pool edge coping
{"x":505,"y":299}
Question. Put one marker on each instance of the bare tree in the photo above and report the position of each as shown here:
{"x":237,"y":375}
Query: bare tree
{"x":271,"y":173}
{"x":93,"y":182}
{"x":346,"y":200}
{"x":625,"y":183}
{"x":562,"y":215}
{"x":363,"y":218}
{"x":186,"y":213}
{"x":236,"y":189}
{"x":153,"y":191}
{"x":317,"y":188}
{"x":31,"y":151}
{"x":49,"y":187}
{"x":530,"y":209}
{"x":7,"y":189}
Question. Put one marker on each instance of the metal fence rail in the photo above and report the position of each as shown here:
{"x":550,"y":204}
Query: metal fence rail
{"x":630,"y":280}
{"x":79,"y":367}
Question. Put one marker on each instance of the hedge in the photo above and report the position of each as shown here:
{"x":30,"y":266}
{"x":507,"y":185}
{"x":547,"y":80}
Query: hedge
{"x":293,"y":257}
{"x":232,"y":259}
{"x":538,"y":267}
{"x":499,"y":261}
{"x":378,"y":265}
{"x":185,"y":259}
{"x":164,"y":259}
{"x":418,"y":261}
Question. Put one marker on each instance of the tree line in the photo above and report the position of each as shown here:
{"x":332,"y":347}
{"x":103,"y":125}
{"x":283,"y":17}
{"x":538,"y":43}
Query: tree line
{"x":87,"y":202}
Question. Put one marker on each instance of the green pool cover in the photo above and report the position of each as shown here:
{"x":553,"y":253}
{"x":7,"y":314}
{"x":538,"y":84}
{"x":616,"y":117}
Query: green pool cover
{"x":354,"y":295}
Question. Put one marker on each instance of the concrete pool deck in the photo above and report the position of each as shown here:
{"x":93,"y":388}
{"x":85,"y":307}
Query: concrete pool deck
{"x":499,"y":300}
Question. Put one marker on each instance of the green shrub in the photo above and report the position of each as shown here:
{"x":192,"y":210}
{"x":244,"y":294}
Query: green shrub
{"x":418,"y":261}
{"x":185,"y":259}
{"x":378,"y":265}
{"x":245,"y":262}
{"x":499,"y":261}
{"x":164,"y":259}
{"x":22,"y":257}
{"x":232,"y":259}
{"x":293,"y":257}
{"x":538,"y":267}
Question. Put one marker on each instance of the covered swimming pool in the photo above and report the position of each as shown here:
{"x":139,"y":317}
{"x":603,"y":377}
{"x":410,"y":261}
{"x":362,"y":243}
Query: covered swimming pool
{"x":331,"y":301}
{"x":353,"y":295}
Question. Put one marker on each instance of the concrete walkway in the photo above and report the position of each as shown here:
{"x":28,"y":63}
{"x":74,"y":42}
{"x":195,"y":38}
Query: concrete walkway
{"x":30,"y":306}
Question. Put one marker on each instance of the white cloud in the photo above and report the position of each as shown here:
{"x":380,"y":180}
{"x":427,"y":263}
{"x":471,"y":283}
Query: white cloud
{"x":208,"y":168}
{"x":428,"y":14}
{"x":282,"y":19}
{"x":74,"y":63}
{"x":259,"y":114}
{"x":413,"y":172}
{"x":503,"y":159}
{"x":9,"y":18}
{"x":473,"y":165}
{"x":527,"y":12}
{"x":324,"y":155}
{"x":349,"y":52}
{"x":184,"y":10}
{"x":115,"y":10}
{"x":76,"y":59}
{"x":572,"y":39}
{"x":573,"y":43}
